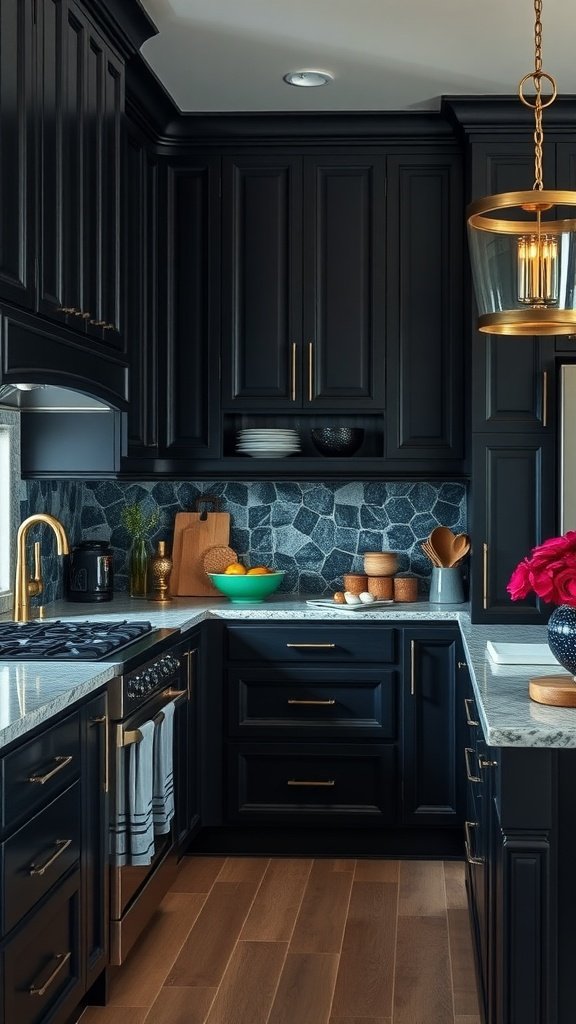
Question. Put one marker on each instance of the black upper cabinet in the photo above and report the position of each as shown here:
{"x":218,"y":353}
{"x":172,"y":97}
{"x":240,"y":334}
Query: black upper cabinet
{"x":81,"y":100}
{"x":17,"y":61}
{"x":189,"y":410}
{"x":303,"y":272}
{"x":140,"y":233}
{"x":425,"y":370}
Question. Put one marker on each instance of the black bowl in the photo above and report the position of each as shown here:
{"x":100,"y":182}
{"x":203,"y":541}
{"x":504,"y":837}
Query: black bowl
{"x":337,"y":440}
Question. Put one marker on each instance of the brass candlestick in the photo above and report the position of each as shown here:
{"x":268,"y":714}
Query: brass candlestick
{"x":160,"y":569}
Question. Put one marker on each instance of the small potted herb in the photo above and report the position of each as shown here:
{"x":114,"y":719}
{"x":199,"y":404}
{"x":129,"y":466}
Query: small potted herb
{"x":139,"y":524}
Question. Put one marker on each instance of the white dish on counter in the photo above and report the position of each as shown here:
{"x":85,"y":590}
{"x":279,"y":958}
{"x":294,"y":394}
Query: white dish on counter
{"x":520,"y":654}
{"x":328,"y":602}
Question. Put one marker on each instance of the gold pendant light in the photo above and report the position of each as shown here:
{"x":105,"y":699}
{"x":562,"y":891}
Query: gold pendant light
{"x":524,"y":267}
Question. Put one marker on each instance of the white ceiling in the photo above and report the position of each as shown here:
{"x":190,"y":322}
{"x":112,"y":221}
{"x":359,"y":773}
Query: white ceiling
{"x":230,"y":55}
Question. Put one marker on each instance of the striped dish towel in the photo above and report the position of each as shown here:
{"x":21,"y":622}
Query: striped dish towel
{"x":163,"y":784}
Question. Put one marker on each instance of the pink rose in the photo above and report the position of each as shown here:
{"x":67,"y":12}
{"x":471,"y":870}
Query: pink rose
{"x":520,"y":585}
{"x":549,"y":571}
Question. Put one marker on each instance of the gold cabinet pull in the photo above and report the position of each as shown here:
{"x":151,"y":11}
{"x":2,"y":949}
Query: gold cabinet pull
{"x":293,"y":372}
{"x":108,"y":327}
{"x":97,"y":323}
{"x":60,"y":763}
{"x":61,"y":846}
{"x":412,"y":667}
{"x":310,"y":371}
{"x":318,"y":646}
{"x":471,"y":778}
{"x":467,"y":705}
{"x":323,"y":703}
{"x":310,"y":782}
{"x":484,"y":575}
{"x":61,"y":961}
{"x":484,"y":762}
{"x":103,"y":720}
{"x":468,"y":843}
{"x":544,"y":398}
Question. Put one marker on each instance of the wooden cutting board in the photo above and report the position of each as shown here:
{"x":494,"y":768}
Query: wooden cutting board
{"x":194,"y":533}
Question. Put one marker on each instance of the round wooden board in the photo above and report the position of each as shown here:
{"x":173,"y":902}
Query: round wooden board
{"x":557,"y":690}
{"x":218,"y":557}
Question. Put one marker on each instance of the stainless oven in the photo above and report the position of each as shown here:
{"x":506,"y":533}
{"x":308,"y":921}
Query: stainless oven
{"x":137,"y":697}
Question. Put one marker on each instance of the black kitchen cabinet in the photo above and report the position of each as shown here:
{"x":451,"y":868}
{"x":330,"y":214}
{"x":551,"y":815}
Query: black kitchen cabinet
{"x":17,"y":63}
{"x":425,"y":357}
{"x":54,"y":865}
{"x":303,"y":316}
{"x":95,"y":870}
{"x":81,"y":105}
{"x":141,"y":275}
{"x":514,"y":510}
{"x":433,"y":791}
{"x":189,"y":408}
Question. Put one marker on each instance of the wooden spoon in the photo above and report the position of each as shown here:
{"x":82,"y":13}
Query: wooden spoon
{"x":460,"y":547}
{"x":431,"y":554}
{"x":441,"y":540}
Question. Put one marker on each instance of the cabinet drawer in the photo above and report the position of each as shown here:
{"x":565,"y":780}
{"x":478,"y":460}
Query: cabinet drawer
{"x":35,"y":772}
{"x":311,"y":783}
{"x":39,"y":854}
{"x":310,"y":642}
{"x":314,"y":700}
{"x":42,"y":977}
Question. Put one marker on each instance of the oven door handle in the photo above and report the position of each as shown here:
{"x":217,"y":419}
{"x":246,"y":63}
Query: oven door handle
{"x":125,"y":737}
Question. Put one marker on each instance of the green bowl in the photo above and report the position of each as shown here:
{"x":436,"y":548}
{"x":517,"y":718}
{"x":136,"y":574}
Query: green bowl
{"x":244,"y":589}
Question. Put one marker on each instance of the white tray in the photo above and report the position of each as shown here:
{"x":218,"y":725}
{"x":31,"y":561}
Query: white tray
{"x":329,"y":603}
{"x":520,"y":654}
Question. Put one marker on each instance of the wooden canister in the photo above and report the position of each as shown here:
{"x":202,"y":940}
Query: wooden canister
{"x":380,"y":587}
{"x":405,"y":588}
{"x":355,"y":583}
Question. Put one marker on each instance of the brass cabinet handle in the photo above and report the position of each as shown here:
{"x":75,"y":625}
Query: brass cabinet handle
{"x":69,"y":310}
{"x":39,"y":990}
{"x":293,"y":372}
{"x":108,"y":327}
{"x":61,"y":846}
{"x":310,"y":782}
{"x":484,"y":575}
{"x":469,"y":719}
{"x":462,"y":664}
{"x":322,"y":646}
{"x":469,"y":775}
{"x":544,"y":398}
{"x":324,"y":703}
{"x":310,"y":371}
{"x":61,"y":763}
{"x":103,"y":720}
{"x":468,"y":843}
{"x":97,"y":323}
{"x":484,"y":762}
{"x":412,"y":667}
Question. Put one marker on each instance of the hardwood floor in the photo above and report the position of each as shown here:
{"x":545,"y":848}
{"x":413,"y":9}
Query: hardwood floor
{"x":249,"y":940}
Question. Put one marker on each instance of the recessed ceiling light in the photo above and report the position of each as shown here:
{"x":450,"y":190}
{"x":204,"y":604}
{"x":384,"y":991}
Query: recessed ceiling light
{"x":308,"y":78}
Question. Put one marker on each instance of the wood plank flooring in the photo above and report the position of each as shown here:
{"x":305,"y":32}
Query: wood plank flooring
{"x":247,"y":940}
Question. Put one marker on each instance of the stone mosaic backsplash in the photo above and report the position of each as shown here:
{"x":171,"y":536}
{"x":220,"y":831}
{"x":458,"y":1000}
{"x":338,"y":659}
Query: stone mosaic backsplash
{"x":314,"y":531}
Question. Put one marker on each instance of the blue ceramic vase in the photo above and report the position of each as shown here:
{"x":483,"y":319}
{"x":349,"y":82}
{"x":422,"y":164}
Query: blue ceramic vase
{"x":562,"y":636}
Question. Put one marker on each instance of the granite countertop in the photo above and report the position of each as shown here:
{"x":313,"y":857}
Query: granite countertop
{"x":32,"y":692}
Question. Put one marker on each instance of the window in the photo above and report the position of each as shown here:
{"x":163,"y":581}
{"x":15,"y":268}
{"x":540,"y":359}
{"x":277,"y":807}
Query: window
{"x":9,"y":501}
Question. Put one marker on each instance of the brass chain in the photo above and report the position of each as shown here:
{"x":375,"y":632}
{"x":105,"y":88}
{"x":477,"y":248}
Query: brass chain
{"x":538,"y":130}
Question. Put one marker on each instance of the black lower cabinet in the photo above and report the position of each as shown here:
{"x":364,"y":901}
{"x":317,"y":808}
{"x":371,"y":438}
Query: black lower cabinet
{"x":187,"y":745}
{"x":433,"y":791}
{"x":95,"y":876}
{"x":328,"y":737}
{"x":42,"y":961}
{"x":520,"y":835}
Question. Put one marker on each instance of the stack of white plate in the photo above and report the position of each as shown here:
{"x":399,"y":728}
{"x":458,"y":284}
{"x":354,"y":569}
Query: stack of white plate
{"x":267,"y":443}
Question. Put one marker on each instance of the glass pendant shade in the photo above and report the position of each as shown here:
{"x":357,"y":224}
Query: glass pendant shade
{"x":523,"y":256}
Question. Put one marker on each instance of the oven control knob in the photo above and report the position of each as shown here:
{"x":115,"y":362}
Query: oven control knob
{"x":155,"y":675}
{"x":134,"y":686}
{"x":165,"y":666}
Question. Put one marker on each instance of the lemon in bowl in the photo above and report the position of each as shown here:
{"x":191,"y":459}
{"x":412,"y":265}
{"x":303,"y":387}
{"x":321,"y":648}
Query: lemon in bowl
{"x":250,"y":587}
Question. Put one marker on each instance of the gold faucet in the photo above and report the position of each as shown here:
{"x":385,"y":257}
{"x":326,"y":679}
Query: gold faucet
{"x":26,"y":587}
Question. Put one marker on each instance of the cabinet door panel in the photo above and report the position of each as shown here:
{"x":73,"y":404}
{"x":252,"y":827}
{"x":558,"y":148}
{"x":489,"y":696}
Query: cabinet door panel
{"x":424,"y":328}
{"x":94,"y":119}
{"x":53,"y":125}
{"x":514,"y":383}
{"x":16,"y":156}
{"x":72,"y":231}
{"x":433,"y":723}
{"x":95,"y":870}
{"x":261,"y":309}
{"x":514,"y":510}
{"x":110,"y":256}
{"x":191,"y":408}
{"x":344,"y":273}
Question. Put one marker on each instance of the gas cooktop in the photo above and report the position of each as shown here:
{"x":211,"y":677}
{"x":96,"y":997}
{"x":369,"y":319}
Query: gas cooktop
{"x":68,"y":641}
